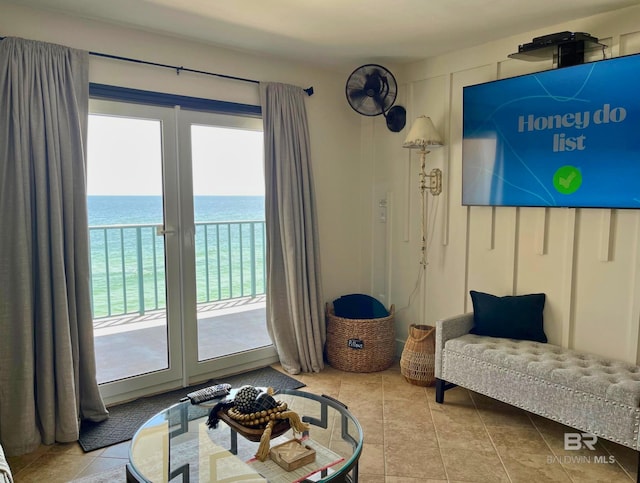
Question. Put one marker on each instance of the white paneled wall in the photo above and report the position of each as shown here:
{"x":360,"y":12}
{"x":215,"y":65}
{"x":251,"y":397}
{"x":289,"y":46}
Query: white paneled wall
{"x":587,"y":261}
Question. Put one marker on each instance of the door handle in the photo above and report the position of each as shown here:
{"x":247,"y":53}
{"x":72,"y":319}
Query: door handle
{"x":162,"y":230}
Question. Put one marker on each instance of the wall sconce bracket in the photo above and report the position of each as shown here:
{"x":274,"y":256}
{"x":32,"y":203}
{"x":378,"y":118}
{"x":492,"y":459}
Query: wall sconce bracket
{"x":435,"y":181}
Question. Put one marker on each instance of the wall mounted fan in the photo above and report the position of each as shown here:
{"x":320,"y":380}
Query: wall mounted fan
{"x":371,"y":90}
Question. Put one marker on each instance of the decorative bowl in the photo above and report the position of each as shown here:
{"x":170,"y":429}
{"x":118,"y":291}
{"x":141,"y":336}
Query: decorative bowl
{"x":254,"y":433}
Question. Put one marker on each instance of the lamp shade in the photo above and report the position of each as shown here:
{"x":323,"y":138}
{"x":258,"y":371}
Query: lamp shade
{"x":422,"y":135}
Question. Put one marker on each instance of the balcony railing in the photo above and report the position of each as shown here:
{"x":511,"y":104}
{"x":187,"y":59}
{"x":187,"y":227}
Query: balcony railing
{"x":127,"y":265}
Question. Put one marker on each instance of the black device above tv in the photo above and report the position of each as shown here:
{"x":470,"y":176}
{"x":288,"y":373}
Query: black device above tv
{"x":566,"y":48}
{"x":566,"y":137}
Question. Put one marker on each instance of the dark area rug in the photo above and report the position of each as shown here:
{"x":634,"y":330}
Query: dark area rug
{"x":125,"y":419}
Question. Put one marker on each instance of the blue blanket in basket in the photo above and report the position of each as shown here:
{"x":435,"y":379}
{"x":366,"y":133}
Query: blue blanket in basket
{"x":359,"y":306}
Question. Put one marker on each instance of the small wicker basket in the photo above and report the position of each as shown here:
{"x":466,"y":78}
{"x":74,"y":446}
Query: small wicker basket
{"x":418,"y":356}
{"x":360,"y":345}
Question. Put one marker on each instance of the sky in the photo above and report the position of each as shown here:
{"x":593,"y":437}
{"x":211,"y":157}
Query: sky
{"x":124,"y":158}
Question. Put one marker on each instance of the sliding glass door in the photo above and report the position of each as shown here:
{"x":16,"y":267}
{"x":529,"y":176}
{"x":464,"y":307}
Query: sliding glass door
{"x":177,"y":231}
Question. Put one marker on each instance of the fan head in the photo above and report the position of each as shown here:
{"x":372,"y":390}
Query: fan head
{"x":396,"y":118}
{"x":371,"y":90}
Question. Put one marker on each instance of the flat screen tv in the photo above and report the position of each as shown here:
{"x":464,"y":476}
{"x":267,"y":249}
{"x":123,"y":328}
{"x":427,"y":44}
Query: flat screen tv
{"x":567,"y":137}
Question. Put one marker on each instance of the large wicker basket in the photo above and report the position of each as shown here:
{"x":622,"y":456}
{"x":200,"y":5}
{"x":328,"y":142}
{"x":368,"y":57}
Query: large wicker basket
{"x":360,"y":345}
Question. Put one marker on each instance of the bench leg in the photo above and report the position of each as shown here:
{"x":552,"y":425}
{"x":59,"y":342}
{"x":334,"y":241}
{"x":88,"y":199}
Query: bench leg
{"x":441,"y":387}
{"x":440,"y":391}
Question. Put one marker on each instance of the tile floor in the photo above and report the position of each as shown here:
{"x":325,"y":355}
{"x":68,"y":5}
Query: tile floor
{"x":408,"y":438}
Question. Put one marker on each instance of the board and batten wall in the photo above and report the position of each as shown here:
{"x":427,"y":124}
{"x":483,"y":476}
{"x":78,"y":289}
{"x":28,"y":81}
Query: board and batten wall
{"x":587,"y":261}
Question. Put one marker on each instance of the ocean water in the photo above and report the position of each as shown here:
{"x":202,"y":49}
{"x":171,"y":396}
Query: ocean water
{"x":121,"y":210}
{"x":128,"y":257}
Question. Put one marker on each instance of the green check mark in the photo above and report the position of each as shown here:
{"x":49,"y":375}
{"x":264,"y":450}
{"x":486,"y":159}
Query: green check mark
{"x":567,"y":180}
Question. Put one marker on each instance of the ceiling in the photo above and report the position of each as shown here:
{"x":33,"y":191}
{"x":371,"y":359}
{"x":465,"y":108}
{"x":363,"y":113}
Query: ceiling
{"x":338,"y":33}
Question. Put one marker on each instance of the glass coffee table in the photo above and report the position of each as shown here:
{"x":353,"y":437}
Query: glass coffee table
{"x":177,"y":446}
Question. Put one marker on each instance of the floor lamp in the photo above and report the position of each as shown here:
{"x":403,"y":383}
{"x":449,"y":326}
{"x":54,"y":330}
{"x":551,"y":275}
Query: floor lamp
{"x":423,"y":136}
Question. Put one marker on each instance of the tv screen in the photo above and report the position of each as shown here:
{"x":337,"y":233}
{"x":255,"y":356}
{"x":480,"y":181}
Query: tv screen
{"x":568,"y":137}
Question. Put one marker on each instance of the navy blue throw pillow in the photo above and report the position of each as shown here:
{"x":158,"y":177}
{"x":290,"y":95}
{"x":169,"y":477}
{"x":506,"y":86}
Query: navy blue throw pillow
{"x":359,"y":306}
{"x":511,"y":317}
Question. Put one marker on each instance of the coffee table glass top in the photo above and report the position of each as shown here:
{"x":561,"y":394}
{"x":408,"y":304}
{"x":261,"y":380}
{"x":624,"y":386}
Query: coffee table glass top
{"x":176,"y":445}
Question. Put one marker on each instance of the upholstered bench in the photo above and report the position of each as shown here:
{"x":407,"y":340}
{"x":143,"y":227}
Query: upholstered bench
{"x":590,"y":393}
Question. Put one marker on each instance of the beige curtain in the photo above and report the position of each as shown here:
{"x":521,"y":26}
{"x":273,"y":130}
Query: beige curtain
{"x":295,"y":317}
{"x":47,"y":363}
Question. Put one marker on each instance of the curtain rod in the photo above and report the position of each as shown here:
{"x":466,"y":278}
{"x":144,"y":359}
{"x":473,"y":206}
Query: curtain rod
{"x":178,"y":69}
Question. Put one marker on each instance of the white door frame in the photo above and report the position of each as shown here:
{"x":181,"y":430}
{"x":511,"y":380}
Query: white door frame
{"x":234,"y":363}
{"x":184,"y":367}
